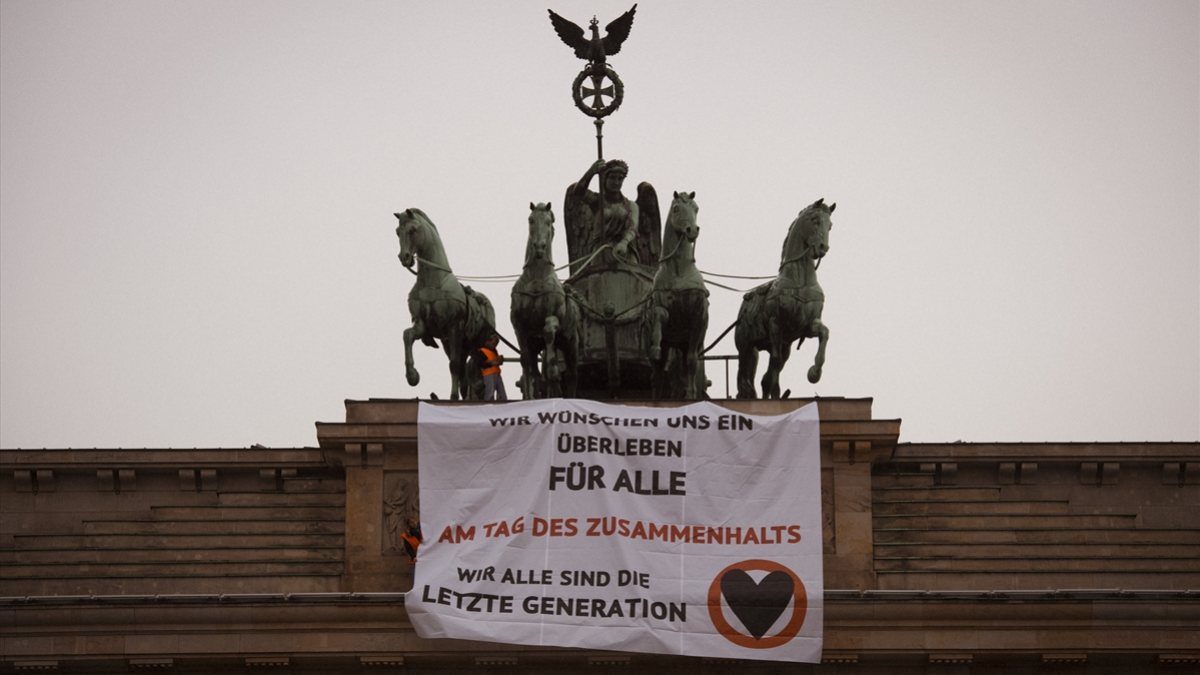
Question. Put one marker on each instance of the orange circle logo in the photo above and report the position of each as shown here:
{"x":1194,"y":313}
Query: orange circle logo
{"x":757,"y":604}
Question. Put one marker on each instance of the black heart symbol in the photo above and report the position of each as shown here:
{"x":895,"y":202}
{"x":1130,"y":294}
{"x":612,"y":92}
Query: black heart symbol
{"x":757,"y":605}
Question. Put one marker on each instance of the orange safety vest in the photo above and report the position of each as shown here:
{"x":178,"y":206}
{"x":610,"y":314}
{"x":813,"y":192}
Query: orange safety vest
{"x":489,"y":355}
{"x":411,"y":544}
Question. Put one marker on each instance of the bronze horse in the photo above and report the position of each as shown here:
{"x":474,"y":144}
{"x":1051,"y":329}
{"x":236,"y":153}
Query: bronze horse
{"x":675,"y":318}
{"x":545,"y":316}
{"x":787,"y":308}
{"x":441,"y":307}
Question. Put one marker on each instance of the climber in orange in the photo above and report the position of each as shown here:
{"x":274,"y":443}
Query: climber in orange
{"x":493,"y":383}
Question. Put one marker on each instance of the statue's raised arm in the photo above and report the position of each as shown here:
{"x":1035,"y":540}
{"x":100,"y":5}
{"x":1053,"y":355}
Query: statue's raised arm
{"x":595,"y":220}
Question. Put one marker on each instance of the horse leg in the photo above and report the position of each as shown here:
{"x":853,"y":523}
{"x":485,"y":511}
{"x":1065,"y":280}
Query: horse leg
{"x":779,"y":357}
{"x":770,"y":379}
{"x":701,"y":378}
{"x":416,"y":332}
{"x":553,"y":366}
{"x":529,"y":365}
{"x":662,"y":385}
{"x":470,"y":387}
{"x":822,"y":332}
{"x":657,"y":315}
{"x":452,"y":345}
{"x":570,"y":368}
{"x":692,"y":357}
{"x":747,"y":368}
{"x":570,"y":350}
{"x":688,"y":375}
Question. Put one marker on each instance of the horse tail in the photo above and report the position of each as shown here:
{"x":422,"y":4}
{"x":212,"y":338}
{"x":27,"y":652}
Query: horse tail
{"x":481,"y":317}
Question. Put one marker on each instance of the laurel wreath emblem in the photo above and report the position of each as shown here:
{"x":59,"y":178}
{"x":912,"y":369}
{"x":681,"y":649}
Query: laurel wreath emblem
{"x":618,"y":93}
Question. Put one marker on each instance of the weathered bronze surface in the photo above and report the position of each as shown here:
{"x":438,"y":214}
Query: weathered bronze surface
{"x":614,"y":244}
{"x":606,"y":91}
{"x":441,"y":307}
{"x":545,"y":315}
{"x":675,"y":319}
{"x":632,"y":231}
{"x":788,"y":307}
{"x":631,"y":319}
{"x":596,"y":49}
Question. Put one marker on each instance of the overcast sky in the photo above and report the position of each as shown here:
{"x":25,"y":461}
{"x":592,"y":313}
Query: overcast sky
{"x":197,"y":245}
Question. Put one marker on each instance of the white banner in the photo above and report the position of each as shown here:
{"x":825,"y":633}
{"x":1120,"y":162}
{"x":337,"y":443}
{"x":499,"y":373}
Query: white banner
{"x":692,"y":530}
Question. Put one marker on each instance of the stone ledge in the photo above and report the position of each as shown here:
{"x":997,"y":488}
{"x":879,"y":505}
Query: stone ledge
{"x":391,"y":410}
{"x":1046,"y":452}
{"x":832,"y":595}
{"x":866,"y":624}
{"x":334,"y":436}
{"x":150,"y":459}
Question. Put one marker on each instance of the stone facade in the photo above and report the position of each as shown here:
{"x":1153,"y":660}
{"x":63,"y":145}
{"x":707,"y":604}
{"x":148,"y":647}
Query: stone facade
{"x":940,"y":558}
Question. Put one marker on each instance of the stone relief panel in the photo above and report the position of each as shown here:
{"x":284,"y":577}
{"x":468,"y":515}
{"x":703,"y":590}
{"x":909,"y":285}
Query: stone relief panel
{"x":401,"y":513}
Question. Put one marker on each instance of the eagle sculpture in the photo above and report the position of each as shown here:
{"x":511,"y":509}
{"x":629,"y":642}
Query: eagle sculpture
{"x":594,"y":50}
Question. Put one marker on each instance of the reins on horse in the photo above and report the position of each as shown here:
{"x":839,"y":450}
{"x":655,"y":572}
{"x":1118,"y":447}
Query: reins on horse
{"x":504,"y":340}
{"x":735,"y":276}
{"x":425,"y":261}
{"x":803,"y":253}
{"x":708,"y":282}
{"x":587,"y":260}
{"x":795,"y":258}
{"x":665,"y":258}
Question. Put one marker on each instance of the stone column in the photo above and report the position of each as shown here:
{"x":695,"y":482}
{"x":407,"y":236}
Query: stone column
{"x":364,"y":517}
{"x":847,"y":465}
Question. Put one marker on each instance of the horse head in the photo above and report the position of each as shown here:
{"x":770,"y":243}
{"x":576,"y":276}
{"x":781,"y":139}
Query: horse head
{"x":681,"y":221}
{"x":416,"y":233}
{"x":808,"y":235}
{"x":541,"y":233}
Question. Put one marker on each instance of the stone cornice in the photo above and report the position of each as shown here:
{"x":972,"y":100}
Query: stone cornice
{"x":1046,"y":452}
{"x":166,"y":458}
{"x":873,"y":624}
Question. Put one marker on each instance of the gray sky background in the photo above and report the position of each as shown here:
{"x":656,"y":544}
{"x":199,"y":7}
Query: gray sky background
{"x":197,"y":246}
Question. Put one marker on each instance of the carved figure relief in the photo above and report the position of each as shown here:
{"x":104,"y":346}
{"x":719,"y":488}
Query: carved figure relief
{"x":401,"y":515}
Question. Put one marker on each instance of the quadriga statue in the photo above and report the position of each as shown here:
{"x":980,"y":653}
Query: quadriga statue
{"x":441,"y":307}
{"x":786,"y":308}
